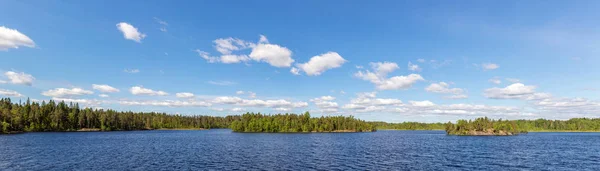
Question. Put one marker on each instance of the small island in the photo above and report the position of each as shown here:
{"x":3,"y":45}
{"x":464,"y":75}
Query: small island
{"x":484,"y":127}
{"x":290,"y":123}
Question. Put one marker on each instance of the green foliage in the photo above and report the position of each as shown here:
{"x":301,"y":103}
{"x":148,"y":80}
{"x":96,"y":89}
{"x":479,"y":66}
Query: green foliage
{"x":409,"y":126}
{"x":251,"y":122}
{"x":484,"y":126}
{"x":52,"y":116}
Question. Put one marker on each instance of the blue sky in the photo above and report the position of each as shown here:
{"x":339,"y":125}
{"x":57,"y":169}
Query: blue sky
{"x":392,"y":61}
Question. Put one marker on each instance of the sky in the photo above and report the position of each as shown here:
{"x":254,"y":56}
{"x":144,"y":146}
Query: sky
{"x":393,"y":61}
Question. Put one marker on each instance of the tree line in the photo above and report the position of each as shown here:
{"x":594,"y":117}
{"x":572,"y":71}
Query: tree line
{"x":251,"y":122}
{"x":484,"y":125}
{"x":60,"y":116}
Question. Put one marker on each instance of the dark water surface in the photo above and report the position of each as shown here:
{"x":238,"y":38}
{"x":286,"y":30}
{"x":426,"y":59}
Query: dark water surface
{"x":224,"y":150}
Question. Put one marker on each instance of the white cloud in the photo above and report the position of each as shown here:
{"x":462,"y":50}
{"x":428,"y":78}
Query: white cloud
{"x":295,"y":71}
{"x":85,"y":102}
{"x":10,"y":93}
{"x":239,"y":92}
{"x":217,"y":109}
{"x":371,"y":109}
{"x":222,"y":83}
{"x":320,"y":63}
{"x":262,"y":52}
{"x":444,"y":88}
{"x":425,"y":103}
{"x":130,"y":32}
{"x":166,"y":103}
{"x":104,"y":88}
{"x":11,"y":38}
{"x":495,"y":81}
{"x":457,"y":96}
{"x":19,"y":78}
{"x":273,"y":54}
{"x":399,"y":82}
{"x":421,"y":60}
{"x":489,"y":66}
{"x":325,"y":104}
{"x":231,"y":59}
{"x":378,"y":77}
{"x":65,"y":92}
{"x":131,"y":71}
{"x":258,"y":103}
{"x":367,"y":102}
{"x":283,"y":109}
{"x":206,"y":55}
{"x":515,"y":91}
{"x":103,"y":95}
{"x":3,"y":82}
{"x":184,"y":95}
{"x":237,"y":109}
{"x":413,"y":67}
{"x":227,"y":45}
{"x":139,"y":90}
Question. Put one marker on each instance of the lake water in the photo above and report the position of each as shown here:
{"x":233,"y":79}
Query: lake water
{"x":224,"y":150}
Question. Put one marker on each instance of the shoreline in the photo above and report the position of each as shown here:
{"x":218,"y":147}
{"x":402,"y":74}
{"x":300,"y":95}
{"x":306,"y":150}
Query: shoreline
{"x":575,"y":131}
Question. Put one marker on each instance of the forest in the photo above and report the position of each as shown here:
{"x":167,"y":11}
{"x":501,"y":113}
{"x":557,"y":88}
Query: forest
{"x":484,"y":126}
{"x":43,"y":116}
{"x":251,"y":122}
{"x":520,"y":126}
{"x":60,"y":116}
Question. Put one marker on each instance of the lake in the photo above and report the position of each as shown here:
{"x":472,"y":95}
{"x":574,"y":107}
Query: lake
{"x":221,"y":149}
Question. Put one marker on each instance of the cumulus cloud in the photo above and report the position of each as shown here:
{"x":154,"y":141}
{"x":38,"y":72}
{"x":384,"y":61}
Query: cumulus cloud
{"x":139,"y":90}
{"x":65,"y":92}
{"x":262,"y":51}
{"x":103,"y":95}
{"x":166,"y":103}
{"x":258,"y":102}
{"x":272,"y":54}
{"x":444,"y":88}
{"x":379,"y":77}
{"x":231,"y":59}
{"x":295,"y":71}
{"x":105,"y":88}
{"x":130,"y":32}
{"x":19,"y":78}
{"x":85,"y":102}
{"x":228,"y":45}
{"x":489,"y":66}
{"x":11,"y":38}
{"x":425,"y":103}
{"x":184,"y":95}
{"x":325,"y":104}
{"x":320,"y":63}
{"x":516,"y":91}
{"x":10,"y":93}
{"x":367,"y":102}
{"x":421,"y":60}
{"x":413,"y":67}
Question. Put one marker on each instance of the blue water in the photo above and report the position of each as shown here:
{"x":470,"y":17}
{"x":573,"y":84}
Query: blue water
{"x":224,"y":150}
